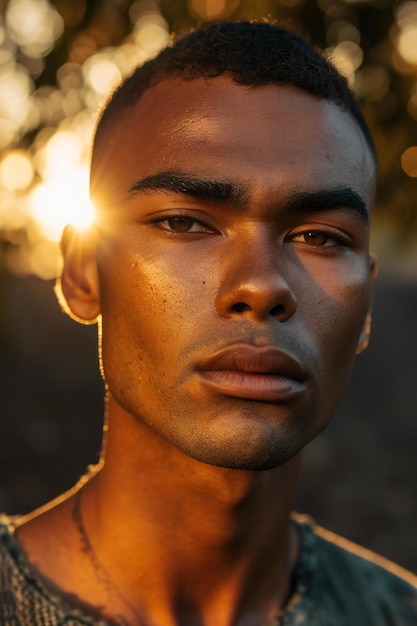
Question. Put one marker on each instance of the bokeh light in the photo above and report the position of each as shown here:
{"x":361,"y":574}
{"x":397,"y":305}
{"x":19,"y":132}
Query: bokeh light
{"x":407,"y":44}
{"x":409,"y":161}
{"x":49,"y":102}
{"x":151,"y":33}
{"x":406,"y":14}
{"x":347,"y":57}
{"x":34,"y":25}
{"x":342,"y":30}
{"x":46,"y":187}
{"x":62,"y":200}
{"x":16,"y":171}
{"x":16,"y":86}
{"x":101,"y":73}
{"x":406,"y":18}
{"x":62,"y":152}
{"x":8,"y":132}
{"x":213,"y":9}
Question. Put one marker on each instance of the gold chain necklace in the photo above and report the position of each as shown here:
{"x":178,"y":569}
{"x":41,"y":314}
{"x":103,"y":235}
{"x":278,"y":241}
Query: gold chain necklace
{"x":102,"y":576}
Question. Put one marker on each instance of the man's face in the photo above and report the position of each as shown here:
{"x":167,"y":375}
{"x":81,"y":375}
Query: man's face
{"x":235,"y":281}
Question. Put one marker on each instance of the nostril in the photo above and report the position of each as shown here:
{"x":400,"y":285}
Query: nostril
{"x":240,"y":307}
{"x":277,"y":310}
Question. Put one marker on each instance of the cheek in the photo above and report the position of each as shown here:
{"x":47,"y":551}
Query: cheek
{"x":147,"y":312}
{"x":343,"y":306}
{"x":340,"y":293}
{"x":331,"y":318}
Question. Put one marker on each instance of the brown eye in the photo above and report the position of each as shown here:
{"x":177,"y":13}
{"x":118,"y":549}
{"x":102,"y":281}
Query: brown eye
{"x":315,"y":238}
{"x":180,"y":224}
{"x":320,"y":238}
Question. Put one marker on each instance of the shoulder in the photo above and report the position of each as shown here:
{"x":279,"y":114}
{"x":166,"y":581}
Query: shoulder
{"x":23,"y":597}
{"x":363,"y":586}
{"x":361,"y":560}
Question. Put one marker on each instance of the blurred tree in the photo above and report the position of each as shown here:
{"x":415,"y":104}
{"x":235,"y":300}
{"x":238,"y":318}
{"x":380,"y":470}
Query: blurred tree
{"x":59,"y":59}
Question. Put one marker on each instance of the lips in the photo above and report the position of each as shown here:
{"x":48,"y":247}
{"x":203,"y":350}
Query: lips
{"x":244,"y":371}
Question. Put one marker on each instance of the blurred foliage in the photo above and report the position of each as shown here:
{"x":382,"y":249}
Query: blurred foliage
{"x":58,"y":61}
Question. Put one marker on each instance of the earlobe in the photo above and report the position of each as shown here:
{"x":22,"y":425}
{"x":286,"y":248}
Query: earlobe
{"x":77,"y":287}
{"x":366,"y":330}
{"x":365,"y":335}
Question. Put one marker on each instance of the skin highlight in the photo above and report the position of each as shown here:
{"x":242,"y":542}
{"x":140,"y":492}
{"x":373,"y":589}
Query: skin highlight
{"x":268,"y":251}
{"x":246,"y":228}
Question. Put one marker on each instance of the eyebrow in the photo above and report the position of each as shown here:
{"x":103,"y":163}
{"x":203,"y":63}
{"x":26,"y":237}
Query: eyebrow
{"x":215,"y":191}
{"x":329,"y":200}
{"x":226,"y":192}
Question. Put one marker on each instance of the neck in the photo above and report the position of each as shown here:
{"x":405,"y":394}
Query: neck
{"x":201,"y":536}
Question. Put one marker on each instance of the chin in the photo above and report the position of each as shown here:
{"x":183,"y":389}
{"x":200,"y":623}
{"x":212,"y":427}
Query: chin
{"x":247,"y":457}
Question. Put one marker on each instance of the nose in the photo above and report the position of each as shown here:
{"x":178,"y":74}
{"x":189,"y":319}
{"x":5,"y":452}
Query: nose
{"x":254,"y":285}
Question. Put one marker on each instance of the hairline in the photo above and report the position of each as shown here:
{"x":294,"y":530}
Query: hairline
{"x":105,"y":127}
{"x":250,"y":54}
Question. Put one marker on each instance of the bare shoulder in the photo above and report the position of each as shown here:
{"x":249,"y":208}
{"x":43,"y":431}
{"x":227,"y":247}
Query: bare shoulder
{"x":38,"y":530}
{"x":51,"y":545}
{"x":46,"y":535}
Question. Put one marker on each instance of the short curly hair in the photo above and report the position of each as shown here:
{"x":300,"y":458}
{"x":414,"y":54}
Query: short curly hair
{"x":254,"y":54}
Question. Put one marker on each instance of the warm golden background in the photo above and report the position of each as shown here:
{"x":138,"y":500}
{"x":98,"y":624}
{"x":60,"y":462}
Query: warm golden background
{"x":58,"y":62}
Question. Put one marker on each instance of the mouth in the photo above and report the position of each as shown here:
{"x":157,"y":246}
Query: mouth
{"x":264,"y":374}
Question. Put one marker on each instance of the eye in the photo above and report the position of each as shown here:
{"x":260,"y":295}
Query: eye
{"x":182,"y":224}
{"x":313,"y":238}
{"x":320,"y":238}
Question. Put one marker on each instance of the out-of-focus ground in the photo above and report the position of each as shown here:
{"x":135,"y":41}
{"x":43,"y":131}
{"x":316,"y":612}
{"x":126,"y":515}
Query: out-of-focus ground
{"x":359,"y":477}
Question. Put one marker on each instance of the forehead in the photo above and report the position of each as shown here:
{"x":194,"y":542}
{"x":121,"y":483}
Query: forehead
{"x":274,"y":137}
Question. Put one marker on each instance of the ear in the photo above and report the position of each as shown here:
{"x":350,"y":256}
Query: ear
{"x":366,"y":330}
{"x":77,"y":287}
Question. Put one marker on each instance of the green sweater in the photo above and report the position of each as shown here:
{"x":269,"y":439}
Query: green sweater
{"x":336,"y":584}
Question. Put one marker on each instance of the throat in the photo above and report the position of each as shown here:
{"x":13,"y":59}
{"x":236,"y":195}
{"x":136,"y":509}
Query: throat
{"x":213,"y":555}
{"x":210,"y":593}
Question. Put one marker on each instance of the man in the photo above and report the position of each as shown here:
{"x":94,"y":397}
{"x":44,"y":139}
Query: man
{"x":230,"y":276}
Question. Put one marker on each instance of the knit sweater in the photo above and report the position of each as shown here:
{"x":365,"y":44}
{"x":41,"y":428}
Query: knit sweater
{"x":336,"y":583}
